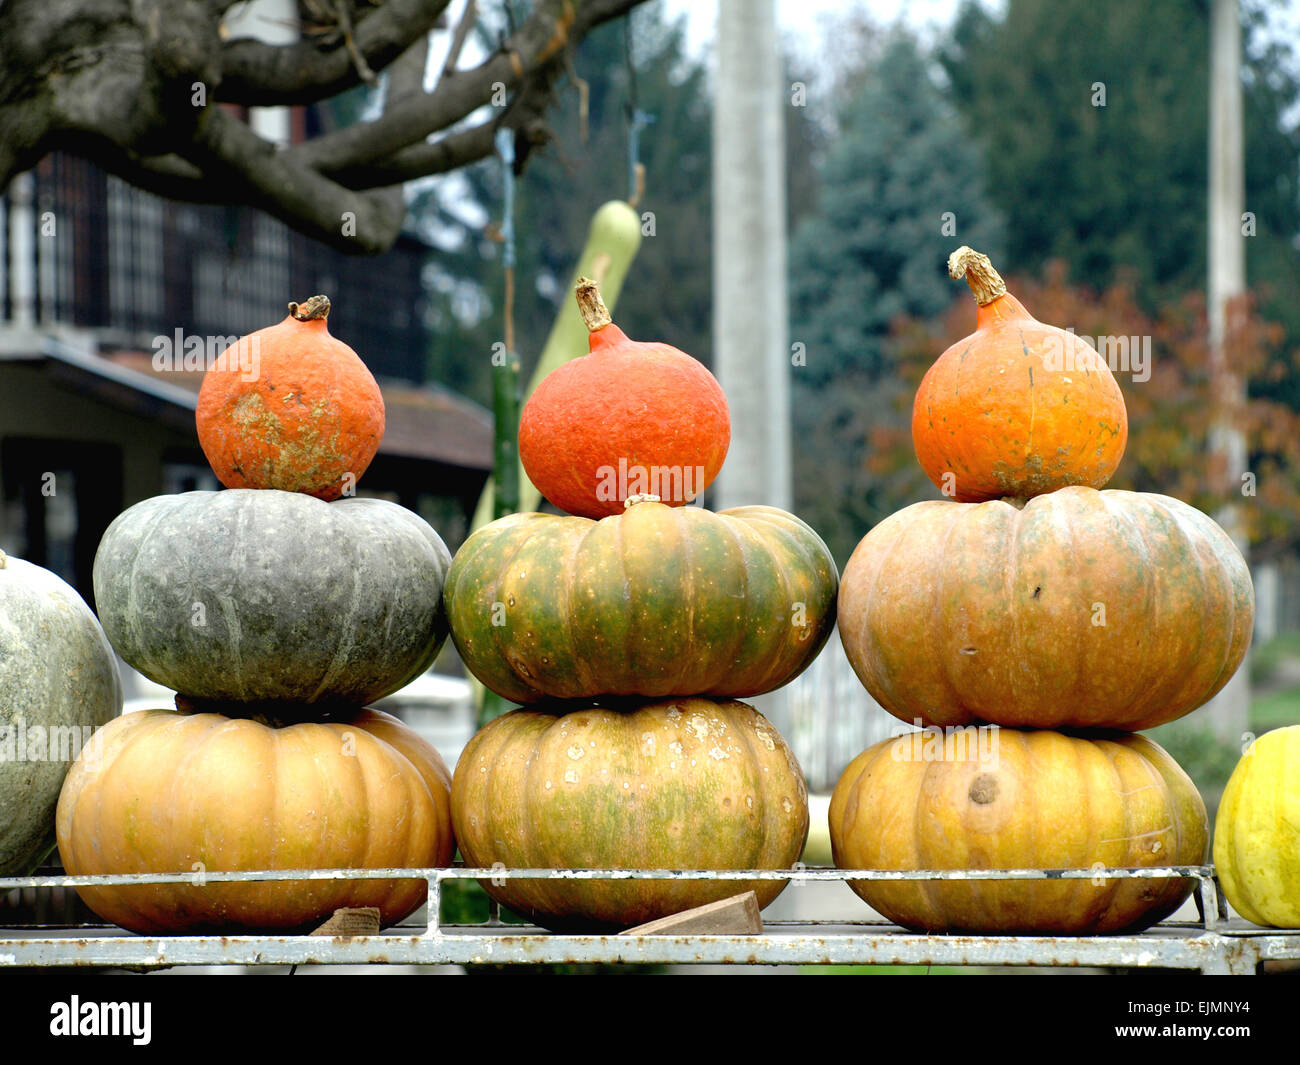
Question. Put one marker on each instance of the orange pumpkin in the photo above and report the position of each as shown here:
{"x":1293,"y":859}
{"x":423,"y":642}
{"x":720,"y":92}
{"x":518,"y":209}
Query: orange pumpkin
{"x":1018,"y":408}
{"x":291,"y":407}
{"x":627,"y":419}
{"x":161,"y":791}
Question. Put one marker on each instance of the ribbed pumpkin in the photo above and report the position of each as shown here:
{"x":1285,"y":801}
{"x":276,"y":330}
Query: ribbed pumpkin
{"x":291,"y":407}
{"x":655,"y":602}
{"x":165,"y":792}
{"x":1028,"y":800}
{"x":682,"y":784}
{"x":629,"y":418}
{"x":1081,"y":609}
{"x":58,"y":683}
{"x":264,"y":596}
{"x":1257,"y":831}
{"x":1017,"y":408}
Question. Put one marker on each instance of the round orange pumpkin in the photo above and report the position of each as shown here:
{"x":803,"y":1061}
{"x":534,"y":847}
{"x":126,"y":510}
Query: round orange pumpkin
{"x":1018,"y":408}
{"x":627,"y":419}
{"x":291,"y":407}
{"x":161,"y":791}
{"x":1018,"y":800}
{"x":681,"y":784}
{"x":1077,"y":609}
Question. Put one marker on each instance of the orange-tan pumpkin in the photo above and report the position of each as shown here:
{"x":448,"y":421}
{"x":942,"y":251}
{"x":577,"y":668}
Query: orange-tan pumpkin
{"x":1018,"y":407}
{"x":1079,"y":609}
{"x":291,"y":407}
{"x":159,"y":791}
{"x":681,"y":784}
{"x":1018,"y":800}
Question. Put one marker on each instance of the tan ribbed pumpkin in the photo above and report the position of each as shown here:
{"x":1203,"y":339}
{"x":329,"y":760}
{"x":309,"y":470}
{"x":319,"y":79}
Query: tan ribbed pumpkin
{"x":1018,"y":800}
{"x":160,"y":791}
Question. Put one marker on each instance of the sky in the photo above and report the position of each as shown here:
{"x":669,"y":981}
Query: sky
{"x":800,"y":18}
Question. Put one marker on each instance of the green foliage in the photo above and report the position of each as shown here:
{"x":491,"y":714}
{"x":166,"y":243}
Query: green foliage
{"x":1205,"y":758}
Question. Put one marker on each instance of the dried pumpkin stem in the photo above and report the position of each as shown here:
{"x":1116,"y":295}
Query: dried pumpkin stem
{"x":3,"y":560}
{"x":595,"y":315}
{"x":310,"y":310}
{"x":644,"y":497}
{"x":984,"y":281}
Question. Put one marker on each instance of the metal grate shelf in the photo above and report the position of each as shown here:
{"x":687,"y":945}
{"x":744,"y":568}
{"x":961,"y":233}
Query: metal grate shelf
{"x":1211,"y":945}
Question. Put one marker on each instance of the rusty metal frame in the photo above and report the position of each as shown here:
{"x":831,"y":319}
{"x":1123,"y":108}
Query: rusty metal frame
{"x":1213,"y":944}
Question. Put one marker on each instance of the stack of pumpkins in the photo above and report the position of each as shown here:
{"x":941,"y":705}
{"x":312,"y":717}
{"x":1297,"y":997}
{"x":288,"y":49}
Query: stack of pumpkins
{"x":629,"y":630}
{"x":278,"y":610}
{"x":1033,"y":601}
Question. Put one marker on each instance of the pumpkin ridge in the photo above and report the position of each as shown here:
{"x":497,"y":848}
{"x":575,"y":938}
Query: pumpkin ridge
{"x":929,"y":888}
{"x":688,"y":590}
{"x":792,"y":543}
{"x":132,"y":613}
{"x":884,"y":677}
{"x":343,"y":648}
{"x":498,"y":632}
{"x":1103,"y":904}
{"x":1142,"y":696}
{"x":725,"y":662}
{"x":176,"y":731}
{"x":1173,"y":521}
{"x":568,"y":575}
{"x":746,"y":535}
{"x":1229,"y":606}
{"x":951,"y":687}
{"x":771,"y":823}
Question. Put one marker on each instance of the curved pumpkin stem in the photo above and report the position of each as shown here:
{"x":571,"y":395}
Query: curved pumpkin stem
{"x":985,"y":282}
{"x":595,"y":316}
{"x":311,"y":309}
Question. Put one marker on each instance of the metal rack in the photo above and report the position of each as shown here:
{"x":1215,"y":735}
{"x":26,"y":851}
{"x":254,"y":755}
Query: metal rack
{"x":1213,"y":944}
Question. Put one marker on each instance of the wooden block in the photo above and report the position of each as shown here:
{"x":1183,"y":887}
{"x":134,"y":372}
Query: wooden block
{"x":358,"y":921}
{"x":736,"y":916}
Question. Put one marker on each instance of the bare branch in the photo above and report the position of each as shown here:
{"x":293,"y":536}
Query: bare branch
{"x":466,"y":23}
{"x":258,"y":74}
{"x":538,"y":43}
{"x":265,"y":177}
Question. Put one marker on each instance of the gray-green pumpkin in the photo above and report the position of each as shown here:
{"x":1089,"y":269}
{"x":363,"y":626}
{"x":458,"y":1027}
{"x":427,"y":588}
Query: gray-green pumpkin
{"x":254,"y":596}
{"x":58,"y":684}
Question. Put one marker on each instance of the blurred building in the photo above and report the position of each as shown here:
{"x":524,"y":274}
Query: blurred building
{"x":97,"y":277}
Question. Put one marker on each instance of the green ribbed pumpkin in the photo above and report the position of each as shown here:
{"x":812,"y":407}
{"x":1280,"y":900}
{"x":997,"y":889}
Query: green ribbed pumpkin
{"x":658,"y":601}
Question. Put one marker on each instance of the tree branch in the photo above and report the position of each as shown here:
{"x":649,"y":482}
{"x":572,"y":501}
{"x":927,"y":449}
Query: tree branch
{"x":259,"y":74}
{"x":538,"y":43}
{"x":261,"y":175}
